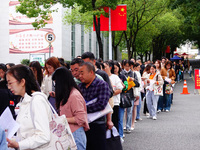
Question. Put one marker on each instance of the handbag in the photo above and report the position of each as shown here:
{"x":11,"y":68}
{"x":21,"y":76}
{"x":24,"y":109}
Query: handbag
{"x":113,"y":141}
{"x":61,"y":135}
{"x":125,"y":100}
{"x":158,"y":89}
{"x":168,"y":89}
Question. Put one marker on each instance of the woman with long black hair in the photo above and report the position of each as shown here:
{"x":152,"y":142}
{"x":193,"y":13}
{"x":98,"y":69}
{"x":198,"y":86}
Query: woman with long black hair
{"x":71,"y":103}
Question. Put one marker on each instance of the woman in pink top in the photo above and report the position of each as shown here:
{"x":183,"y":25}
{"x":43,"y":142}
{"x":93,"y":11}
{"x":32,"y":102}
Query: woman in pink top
{"x":70,"y":102}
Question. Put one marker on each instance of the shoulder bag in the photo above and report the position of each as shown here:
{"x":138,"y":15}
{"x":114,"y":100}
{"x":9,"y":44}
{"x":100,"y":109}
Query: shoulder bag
{"x":61,"y":135}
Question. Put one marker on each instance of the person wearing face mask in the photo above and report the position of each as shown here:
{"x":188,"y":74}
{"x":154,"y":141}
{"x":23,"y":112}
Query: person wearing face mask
{"x":169,"y":76}
{"x":151,"y":99}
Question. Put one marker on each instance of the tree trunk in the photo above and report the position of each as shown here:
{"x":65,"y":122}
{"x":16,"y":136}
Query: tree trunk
{"x":98,"y":32}
{"x":115,"y":52}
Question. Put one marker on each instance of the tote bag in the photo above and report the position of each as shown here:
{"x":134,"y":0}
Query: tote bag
{"x":158,"y":89}
{"x":61,"y":135}
{"x":113,"y":141}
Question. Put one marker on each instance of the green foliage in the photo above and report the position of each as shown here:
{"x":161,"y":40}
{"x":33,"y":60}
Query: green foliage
{"x":124,"y":55}
{"x":25,"y":62}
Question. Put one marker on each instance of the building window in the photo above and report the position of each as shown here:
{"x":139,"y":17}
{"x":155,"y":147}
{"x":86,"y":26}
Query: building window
{"x":82,"y":39}
{"x":90,"y":40}
{"x":73,"y":42}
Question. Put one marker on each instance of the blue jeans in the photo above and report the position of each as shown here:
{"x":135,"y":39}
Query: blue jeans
{"x":190,"y":73}
{"x":168,"y":98}
{"x":80,"y":138}
{"x":120,"y":121}
{"x":139,"y":107}
{"x":3,"y":143}
{"x":129,"y":115}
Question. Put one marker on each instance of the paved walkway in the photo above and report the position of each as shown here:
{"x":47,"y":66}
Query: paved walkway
{"x":177,"y":130}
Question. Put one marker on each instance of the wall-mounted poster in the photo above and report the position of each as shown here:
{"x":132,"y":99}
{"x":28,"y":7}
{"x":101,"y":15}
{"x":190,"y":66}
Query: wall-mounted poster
{"x":29,"y":41}
{"x":23,"y":38}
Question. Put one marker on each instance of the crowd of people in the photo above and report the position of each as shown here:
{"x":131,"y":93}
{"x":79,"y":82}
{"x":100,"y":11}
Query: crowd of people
{"x":85,"y":86}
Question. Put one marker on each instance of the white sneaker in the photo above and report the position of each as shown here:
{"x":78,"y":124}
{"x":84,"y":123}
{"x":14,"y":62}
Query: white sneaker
{"x":167,"y":110}
{"x":132,"y":129}
{"x":149,"y":117}
{"x":123,"y":135}
{"x":154,"y":118}
{"x":147,"y":114}
{"x":158,"y":111}
{"x":135,"y":121}
{"x":122,"y":140}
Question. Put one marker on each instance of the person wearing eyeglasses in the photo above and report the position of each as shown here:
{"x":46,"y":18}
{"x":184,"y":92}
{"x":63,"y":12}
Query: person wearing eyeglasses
{"x":34,"y":112}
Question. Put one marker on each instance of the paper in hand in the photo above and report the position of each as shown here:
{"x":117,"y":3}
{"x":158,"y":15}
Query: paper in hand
{"x":8,"y":123}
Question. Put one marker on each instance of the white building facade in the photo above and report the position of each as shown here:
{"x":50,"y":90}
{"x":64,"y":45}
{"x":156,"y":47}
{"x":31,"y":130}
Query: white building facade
{"x":19,"y":40}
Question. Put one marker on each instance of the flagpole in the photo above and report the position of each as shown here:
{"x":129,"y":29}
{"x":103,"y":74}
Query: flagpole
{"x":110,"y":36}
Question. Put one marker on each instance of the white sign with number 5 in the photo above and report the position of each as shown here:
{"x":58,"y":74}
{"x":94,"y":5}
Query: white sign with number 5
{"x":50,"y":37}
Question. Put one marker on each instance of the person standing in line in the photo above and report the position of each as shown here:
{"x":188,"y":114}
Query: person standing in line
{"x":158,"y":65}
{"x":117,"y":89}
{"x":190,"y":69}
{"x":117,"y":71}
{"x":34,"y":111}
{"x":75,"y":64}
{"x":3,"y":70}
{"x":144,"y":78}
{"x":37,"y":71}
{"x":96,"y":92}
{"x":71,"y":103}
{"x":151,"y":99}
{"x":47,"y":88}
{"x":9,"y":65}
{"x":89,"y":57}
{"x":163,"y":60}
{"x":138,"y":90}
{"x":168,"y":75}
{"x":132,"y":77}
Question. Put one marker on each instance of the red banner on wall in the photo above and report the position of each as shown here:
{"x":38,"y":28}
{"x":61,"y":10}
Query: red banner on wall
{"x":197,"y":78}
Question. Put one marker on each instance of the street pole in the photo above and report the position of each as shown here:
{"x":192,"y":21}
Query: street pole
{"x":110,"y":36}
{"x":49,"y":49}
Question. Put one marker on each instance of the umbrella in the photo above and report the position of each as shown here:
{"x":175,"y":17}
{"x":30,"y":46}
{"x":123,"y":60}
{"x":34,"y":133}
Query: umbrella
{"x":176,"y":54}
{"x":184,"y":54}
{"x":175,"y":58}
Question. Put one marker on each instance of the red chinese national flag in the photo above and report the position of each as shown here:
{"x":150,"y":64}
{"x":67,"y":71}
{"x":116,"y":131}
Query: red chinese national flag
{"x":118,"y":19}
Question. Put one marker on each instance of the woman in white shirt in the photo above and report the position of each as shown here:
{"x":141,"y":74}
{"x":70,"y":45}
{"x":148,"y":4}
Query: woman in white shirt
{"x":51,"y":65}
{"x":117,"y":89}
{"x":34,"y":112}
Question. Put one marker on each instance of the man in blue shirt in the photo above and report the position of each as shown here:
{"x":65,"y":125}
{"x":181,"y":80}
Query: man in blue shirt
{"x":94,"y":88}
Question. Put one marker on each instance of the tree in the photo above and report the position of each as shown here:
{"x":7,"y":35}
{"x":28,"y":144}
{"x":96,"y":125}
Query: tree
{"x":41,"y":8}
{"x":140,"y":13}
{"x":171,"y":33}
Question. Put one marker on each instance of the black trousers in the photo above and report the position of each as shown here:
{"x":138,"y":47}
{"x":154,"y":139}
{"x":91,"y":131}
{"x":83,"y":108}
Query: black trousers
{"x":115,"y":117}
{"x":145,"y":109}
{"x":96,"y":137}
